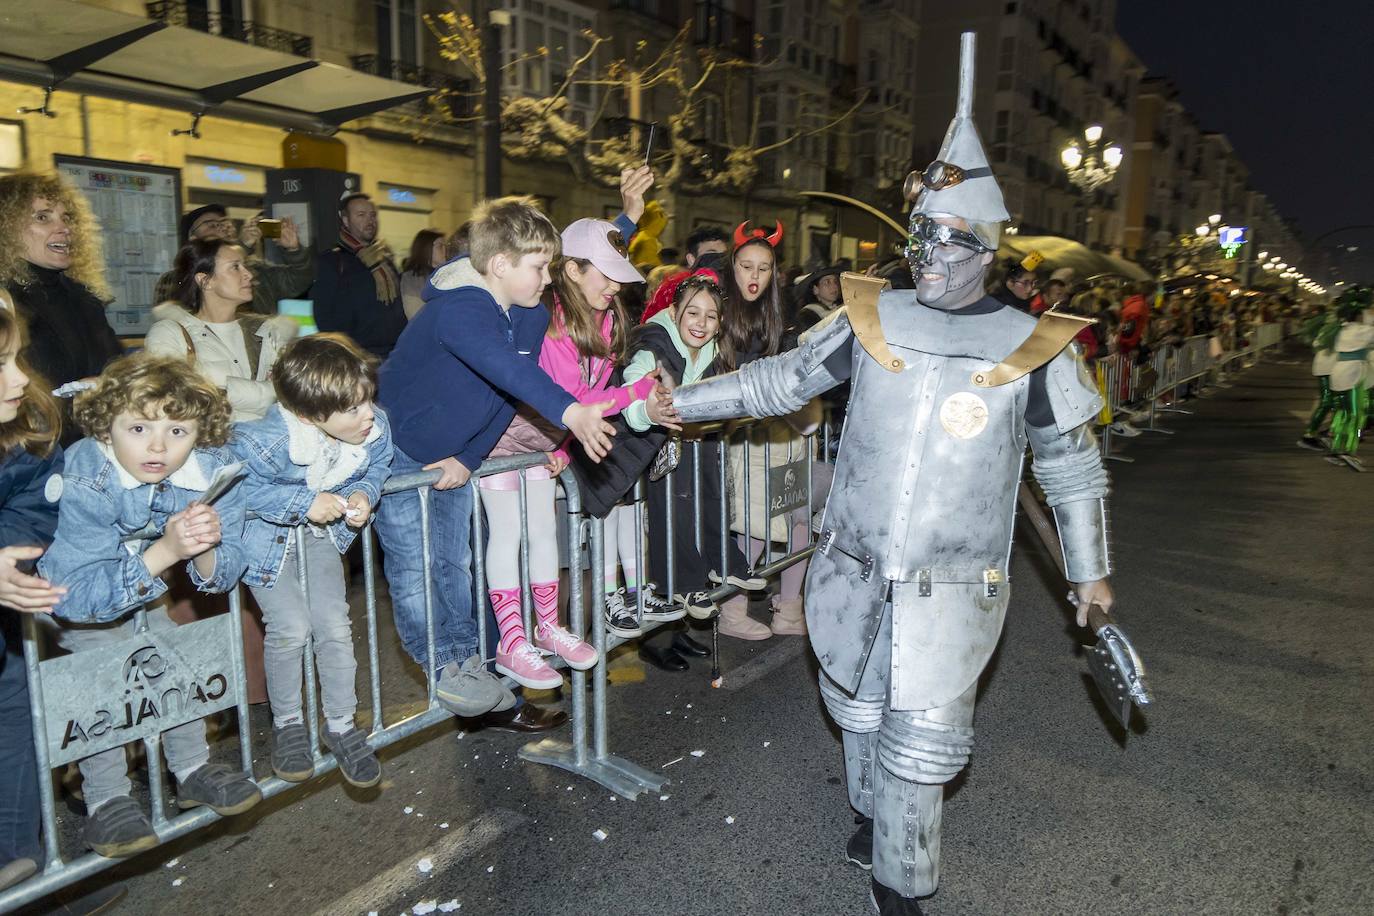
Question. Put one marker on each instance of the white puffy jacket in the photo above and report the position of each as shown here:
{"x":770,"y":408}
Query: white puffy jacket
{"x":250,"y":393}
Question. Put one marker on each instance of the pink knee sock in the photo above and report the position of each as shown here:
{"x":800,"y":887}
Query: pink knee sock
{"x":545,"y":603}
{"x":505,"y":602}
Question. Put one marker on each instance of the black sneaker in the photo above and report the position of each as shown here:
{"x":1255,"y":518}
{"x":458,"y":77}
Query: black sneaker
{"x":657,"y":609}
{"x":291,"y":758}
{"x":357,"y":762}
{"x":887,"y":902}
{"x":621,"y":620}
{"x":859,"y":849}
{"x":1311,"y":442}
{"x":119,"y":828}
{"x":699,"y":605}
{"x":216,"y":786}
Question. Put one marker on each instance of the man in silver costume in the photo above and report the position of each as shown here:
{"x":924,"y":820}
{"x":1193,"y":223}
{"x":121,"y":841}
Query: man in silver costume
{"x":907,"y":591}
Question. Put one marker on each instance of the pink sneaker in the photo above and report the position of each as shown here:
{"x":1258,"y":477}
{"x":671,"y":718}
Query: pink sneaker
{"x":559,"y":641}
{"x":527,"y":668}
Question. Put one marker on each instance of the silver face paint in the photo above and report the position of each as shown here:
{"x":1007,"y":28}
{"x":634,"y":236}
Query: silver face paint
{"x":950,"y":277}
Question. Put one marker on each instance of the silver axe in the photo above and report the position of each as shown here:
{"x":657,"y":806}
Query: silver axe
{"x":1115,"y":665}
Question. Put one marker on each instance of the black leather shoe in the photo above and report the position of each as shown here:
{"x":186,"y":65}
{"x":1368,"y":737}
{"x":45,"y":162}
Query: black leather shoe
{"x":667,"y":659}
{"x":524,"y":718}
{"x":683,"y":644}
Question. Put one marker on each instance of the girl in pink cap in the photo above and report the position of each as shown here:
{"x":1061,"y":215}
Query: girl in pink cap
{"x":585,"y":344}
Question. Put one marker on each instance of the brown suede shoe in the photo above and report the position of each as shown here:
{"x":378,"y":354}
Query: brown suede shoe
{"x":524,"y":718}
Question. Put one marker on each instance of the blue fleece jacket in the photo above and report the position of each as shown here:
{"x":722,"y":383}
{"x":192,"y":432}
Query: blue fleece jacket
{"x":460,"y":367}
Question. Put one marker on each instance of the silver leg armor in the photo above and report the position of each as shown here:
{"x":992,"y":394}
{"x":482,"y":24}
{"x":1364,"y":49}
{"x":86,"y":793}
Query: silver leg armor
{"x":859,"y":720}
{"x":918,"y":752}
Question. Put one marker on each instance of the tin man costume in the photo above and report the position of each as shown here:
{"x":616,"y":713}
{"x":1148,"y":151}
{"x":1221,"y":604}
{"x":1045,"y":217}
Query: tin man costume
{"x":907,"y":590}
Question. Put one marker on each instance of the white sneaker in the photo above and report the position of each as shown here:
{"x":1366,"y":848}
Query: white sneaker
{"x":1124,"y":428}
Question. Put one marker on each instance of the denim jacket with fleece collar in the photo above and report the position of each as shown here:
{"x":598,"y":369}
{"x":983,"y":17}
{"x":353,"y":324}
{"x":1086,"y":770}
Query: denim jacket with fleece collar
{"x":289,"y":462}
{"x":99,"y":503}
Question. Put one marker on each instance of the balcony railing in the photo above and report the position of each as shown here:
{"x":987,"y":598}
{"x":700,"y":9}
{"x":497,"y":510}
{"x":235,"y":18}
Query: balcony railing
{"x":723,"y":30}
{"x":458,"y":95}
{"x":176,"y":12}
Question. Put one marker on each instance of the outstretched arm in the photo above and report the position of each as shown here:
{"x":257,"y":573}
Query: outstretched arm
{"x":775,"y":385}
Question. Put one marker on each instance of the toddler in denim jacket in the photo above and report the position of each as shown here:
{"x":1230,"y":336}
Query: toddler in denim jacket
{"x":316,"y":461}
{"x":128,"y":513}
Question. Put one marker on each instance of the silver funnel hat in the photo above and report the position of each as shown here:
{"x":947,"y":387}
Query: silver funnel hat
{"x":960,"y":182}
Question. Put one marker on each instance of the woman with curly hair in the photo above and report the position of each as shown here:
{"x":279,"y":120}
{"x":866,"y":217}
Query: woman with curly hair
{"x":50,"y":262}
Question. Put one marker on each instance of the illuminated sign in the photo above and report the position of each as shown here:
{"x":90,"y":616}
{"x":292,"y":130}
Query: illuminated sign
{"x":1231,"y":238}
{"x":221,"y":174}
{"x":400,"y":195}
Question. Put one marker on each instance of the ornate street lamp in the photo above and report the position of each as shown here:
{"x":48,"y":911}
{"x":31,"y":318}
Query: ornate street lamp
{"x":1092,"y":161}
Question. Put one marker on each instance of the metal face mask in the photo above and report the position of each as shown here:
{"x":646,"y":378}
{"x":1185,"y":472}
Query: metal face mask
{"x":944,"y":262}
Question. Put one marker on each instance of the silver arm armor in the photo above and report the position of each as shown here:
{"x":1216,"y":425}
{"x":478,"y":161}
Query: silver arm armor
{"x":774,"y":386}
{"x":1068,"y":467}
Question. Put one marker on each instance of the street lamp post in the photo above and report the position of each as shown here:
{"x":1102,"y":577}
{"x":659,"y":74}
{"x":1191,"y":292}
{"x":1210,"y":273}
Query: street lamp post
{"x":1091,"y":163}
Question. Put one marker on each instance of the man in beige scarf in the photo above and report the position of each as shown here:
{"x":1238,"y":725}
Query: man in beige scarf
{"x":357,"y":289}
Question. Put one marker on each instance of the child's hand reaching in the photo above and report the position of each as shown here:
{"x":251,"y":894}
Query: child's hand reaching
{"x":358,"y":509}
{"x":24,"y":592}
{"x":584,"y":421}
{"x":326,"y":508}
{"x":659,"y":403}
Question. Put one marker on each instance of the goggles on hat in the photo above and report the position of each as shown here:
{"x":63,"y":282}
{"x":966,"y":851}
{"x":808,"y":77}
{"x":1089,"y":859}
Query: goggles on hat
{"x":926,"y":234}
{"x":939,"y":176}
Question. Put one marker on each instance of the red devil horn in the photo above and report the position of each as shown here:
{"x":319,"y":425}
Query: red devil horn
{"x":776,"y":237}
{"x":742,"y":234}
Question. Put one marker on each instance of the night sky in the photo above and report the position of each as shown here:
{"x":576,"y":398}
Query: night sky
{"x":1290,"y":86}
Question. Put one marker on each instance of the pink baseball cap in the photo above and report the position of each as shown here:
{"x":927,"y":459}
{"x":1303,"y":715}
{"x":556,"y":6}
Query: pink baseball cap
{"x":600,"y":242}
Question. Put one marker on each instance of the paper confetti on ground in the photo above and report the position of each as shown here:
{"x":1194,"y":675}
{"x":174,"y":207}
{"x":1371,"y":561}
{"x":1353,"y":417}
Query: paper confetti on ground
{"x":670,"y":763}
{"x":491,"y":868}
{"x":425,"y":865}
{"x":730,"y":819}
{"x":170,"y":863}
{"x":444,"y":825}
{"x":698,"y":753}
{"x":409,"y":810}
{"x":599,"y":834}
{"x":178,"y":882}
{"x":766,"y":743}
{"x":424,"y":907}
{"x":449,"y":907}
{"x":664,"y":797}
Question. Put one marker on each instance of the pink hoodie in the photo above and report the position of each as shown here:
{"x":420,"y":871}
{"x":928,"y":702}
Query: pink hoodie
{"x":588,"y":380}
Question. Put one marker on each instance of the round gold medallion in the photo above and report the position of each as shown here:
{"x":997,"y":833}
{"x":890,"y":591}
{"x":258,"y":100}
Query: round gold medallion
{"x":964,"y":415}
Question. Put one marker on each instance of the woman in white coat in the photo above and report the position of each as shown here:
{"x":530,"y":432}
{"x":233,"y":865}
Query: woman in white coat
{"x":233,"y":347}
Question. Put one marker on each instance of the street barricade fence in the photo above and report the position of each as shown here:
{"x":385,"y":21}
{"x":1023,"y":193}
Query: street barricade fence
{"x":1156,"y":386}
{"x":132,"y":691}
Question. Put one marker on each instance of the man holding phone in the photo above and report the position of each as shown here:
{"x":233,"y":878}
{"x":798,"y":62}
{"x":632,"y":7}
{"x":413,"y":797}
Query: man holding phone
{"x":271,"y":282}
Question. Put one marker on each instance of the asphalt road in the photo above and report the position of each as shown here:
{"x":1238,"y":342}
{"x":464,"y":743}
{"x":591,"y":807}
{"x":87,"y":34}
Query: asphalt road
{"x":1242,"y":575}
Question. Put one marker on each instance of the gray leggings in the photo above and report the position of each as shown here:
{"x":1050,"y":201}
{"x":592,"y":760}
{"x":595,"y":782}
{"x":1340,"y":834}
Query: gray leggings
{"x":106,"y":775}
{"x":289,"y":621}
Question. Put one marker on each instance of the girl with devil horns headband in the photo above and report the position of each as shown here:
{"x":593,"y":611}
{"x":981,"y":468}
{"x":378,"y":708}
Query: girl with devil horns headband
{"x":753,"y":327}
{"x":754,"y":320}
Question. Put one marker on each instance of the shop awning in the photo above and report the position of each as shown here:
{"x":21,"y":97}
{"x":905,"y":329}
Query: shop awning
{"x":1061,"y":252}
{"x":61,"y":44}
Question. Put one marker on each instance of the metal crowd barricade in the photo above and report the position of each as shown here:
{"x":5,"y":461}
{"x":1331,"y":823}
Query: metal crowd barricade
{"x":1173,"y":368}
{"x":198,"y":667}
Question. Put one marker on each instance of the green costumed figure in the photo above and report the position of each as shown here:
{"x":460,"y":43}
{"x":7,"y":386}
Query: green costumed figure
{"x":1352,"y":374}
{"x":1320,"y":332}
